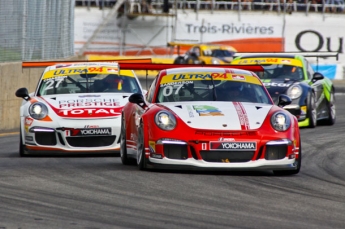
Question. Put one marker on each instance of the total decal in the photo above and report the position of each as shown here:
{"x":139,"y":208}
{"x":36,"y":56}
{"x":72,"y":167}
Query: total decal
{"x":78,"y":108}
{"x":89,"y":112}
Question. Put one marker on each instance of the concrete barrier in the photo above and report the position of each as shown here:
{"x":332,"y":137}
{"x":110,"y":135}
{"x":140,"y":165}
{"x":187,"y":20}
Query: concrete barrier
{"x":12,"y":77}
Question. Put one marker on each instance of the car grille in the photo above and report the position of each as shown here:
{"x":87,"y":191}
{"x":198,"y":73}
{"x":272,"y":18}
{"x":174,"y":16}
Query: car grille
{"x":275,"y":152}
{"x":45,"y":138}
{"x":94,"y":141}
{"x":226,"y":156}
{"x":174,"y":151}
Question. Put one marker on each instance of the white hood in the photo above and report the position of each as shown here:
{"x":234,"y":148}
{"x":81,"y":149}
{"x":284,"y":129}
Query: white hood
{"x":221,"y":115}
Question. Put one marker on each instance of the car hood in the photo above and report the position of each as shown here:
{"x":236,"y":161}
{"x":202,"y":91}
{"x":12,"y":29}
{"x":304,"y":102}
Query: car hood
{"x":227,"y":59}
{"x":95,"y":105}
{"x":221,"y":115}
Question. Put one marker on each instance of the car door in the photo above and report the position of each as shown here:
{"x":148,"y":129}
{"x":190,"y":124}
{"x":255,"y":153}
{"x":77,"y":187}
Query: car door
{"x":316,"y":85}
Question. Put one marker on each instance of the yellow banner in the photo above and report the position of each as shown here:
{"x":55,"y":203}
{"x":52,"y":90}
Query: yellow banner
{"x":207,"y":76}
{"x":268,"y":60}
{"x":77,"y":71}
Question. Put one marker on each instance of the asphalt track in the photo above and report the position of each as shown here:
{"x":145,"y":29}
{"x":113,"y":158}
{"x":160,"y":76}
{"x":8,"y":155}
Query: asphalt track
{"x":99,"y":192}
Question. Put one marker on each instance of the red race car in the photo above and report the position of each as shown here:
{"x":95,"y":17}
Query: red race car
{"x":209,"y":118}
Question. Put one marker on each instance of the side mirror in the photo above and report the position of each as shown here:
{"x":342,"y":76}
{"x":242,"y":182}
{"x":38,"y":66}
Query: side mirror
{"x":317,"y":76}
{"x":137,"y":98}
{"x":284,"y":100}
{"x":23,"y":93}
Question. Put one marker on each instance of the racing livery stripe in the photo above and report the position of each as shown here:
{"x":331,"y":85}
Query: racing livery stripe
{"x":242,"y":115}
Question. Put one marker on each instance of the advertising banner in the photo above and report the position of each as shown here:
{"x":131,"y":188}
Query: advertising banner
{"x":250,"y":31}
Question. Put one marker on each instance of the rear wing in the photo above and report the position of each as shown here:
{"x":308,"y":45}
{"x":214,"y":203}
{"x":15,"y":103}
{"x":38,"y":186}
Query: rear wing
{"x":141,"y":64}
{"x":179,"y":44}
{"x":43,"y":64}
{"x":185,"y":46}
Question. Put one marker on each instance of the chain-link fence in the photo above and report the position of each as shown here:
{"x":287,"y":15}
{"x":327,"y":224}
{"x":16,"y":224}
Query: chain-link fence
{"x":36,"y":29}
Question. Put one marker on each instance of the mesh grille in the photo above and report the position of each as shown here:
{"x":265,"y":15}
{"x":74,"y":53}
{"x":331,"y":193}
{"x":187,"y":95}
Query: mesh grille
{"x":45,"y":138}
{"x":275,"y":152}
{"x":174,"y":151}
{"x":226,"y":156}
{"x":95,"y":141}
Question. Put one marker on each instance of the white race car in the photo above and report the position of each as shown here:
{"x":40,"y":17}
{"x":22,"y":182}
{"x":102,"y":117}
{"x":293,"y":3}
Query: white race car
{"x":76,"y":108}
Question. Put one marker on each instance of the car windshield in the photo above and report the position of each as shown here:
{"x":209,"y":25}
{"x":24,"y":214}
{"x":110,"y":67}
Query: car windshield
{"x":88,"y":83}
{"x":212,"y":90}
{"x":280,"y":71}
{"x":222,"y":53}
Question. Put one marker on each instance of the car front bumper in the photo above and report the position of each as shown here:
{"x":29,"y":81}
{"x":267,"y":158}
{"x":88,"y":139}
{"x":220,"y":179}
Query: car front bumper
{"x":278,"y":154}
{"x":72,"y":136}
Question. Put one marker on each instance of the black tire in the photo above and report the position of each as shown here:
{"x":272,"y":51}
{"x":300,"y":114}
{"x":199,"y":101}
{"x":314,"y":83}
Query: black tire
{"x":311,"y":113}
{"x":141,"y":160}
{"x":192,"y":60}
{"x":291,"y":172}
{"x":179,"y":60}
{"x":22,"y":148}
{"x":331,"y":110}
{"x":123,"y":146}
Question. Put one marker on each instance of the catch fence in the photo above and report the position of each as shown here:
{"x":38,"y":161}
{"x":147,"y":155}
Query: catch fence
{"x":36,"y":29}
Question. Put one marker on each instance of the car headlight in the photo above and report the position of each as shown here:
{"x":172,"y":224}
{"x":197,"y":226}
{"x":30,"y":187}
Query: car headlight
{"x":280,"y":121}
{"x":165,"y":120}
{"x":38,"y":110}
{"x":215,"y":61}
{"x":295,"y":91}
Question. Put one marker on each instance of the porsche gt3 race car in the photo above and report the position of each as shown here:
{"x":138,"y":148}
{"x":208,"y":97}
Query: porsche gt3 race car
{"x":210,"y":118}
{"x":76,"y":108}
{"x":312,"y":94}
{"x":204,"y":54}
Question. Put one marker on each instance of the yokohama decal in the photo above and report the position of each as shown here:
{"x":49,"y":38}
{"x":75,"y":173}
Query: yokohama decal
{"x":242,"y":115}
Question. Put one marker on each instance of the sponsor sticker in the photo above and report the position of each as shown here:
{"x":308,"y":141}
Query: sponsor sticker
{"x":233,"y":146}
{"x":90,"y":132}
{"x":206,"y":110}
{"x":152,"y":146}
{"x":238,"y":77}
{"x":188,"y":78}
